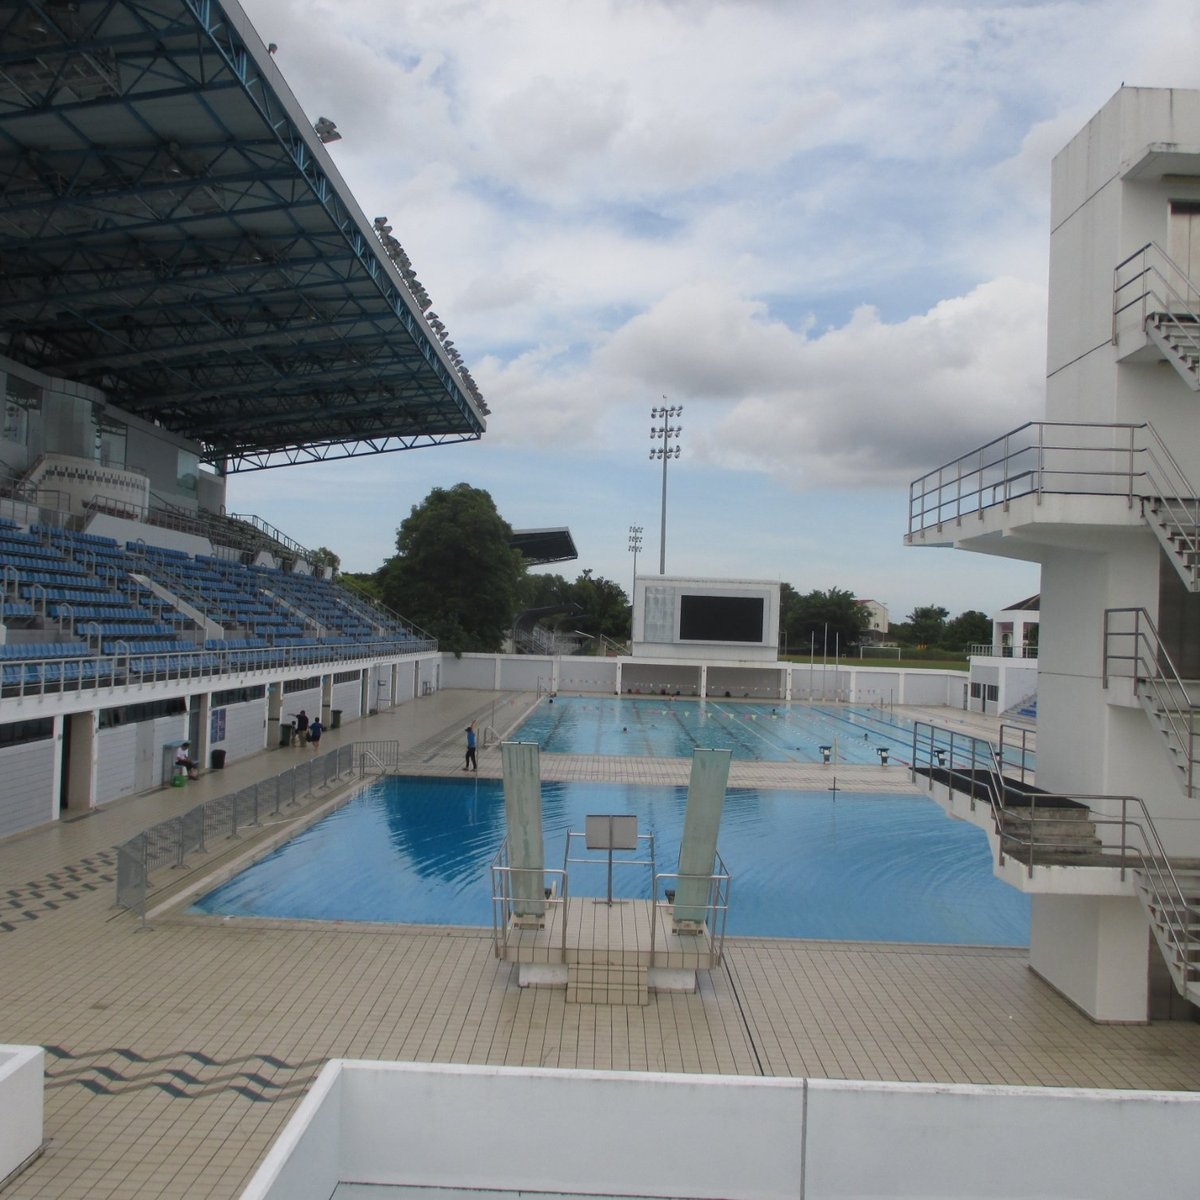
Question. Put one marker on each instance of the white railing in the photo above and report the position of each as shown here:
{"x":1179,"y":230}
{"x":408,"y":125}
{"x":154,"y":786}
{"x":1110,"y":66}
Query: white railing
{"x":1001,"y":650}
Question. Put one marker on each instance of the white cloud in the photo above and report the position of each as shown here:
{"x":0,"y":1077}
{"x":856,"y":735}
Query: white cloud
{"x":826,"y":236}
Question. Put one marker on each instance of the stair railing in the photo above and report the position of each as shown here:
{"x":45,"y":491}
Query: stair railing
{"x":964,"y":759}
{"x":1134,"y":650}
{"x":1142,"y":285}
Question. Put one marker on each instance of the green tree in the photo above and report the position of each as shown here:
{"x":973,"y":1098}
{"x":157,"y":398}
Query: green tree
{"x":603,"y":604}
{"x":821,"y":621}
{"x":322,"y":556}
{"x":455,"y":575}
{"x":970,"y":628}
{"x":927,"y":625}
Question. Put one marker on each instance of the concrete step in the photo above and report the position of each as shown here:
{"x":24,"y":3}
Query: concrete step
{"x":606,"y":983}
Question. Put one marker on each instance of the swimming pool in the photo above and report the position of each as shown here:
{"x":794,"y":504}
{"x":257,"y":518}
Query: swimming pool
{"x":661,"y":727}
{"x":847,"y":866}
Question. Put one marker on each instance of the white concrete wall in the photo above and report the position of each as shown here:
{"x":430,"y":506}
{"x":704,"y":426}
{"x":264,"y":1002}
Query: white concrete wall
{"x":21,"y":1105}
{"x":27,"y":785}
{"x":588,"y":674}
{"x":1095,"y":950}
{"x":246,"y":732}
{"x":627,"y":1134}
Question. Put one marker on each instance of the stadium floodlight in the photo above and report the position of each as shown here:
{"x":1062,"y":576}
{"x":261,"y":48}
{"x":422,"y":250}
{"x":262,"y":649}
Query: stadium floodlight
{"x":666,"y":431}
{"x":326,"y":130}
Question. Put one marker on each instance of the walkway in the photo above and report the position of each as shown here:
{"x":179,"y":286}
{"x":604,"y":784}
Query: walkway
{"x":175,"y":1054}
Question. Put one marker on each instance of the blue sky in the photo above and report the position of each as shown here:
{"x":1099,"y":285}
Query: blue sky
{"x":821,"y":229}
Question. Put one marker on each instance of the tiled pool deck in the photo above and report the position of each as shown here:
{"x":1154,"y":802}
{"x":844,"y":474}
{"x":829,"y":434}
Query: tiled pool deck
{"x":176,"y":1053}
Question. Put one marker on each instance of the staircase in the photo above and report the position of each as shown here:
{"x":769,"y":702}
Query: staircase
{"x":1133,"y":649}
{"x":1176,"y":524}
{"x":1177,"y":335}
{"x":1174,"y":914}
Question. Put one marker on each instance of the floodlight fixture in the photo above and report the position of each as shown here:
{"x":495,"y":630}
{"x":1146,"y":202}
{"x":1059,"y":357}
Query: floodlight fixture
{"x":665,"y":431}
{"x":326,"y":130}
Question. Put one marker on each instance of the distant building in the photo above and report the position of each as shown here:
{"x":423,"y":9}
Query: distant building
{"x":877,"y":620}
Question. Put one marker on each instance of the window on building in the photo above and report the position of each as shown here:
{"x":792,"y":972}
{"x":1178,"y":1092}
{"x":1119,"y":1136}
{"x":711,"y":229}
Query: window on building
{"x":187,"y":473}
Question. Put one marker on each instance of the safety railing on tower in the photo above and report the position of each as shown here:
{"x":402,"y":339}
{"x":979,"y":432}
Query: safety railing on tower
{"x":1042,"y":458}
{"x":1026,"y":821}
{"x":1134,"y":650}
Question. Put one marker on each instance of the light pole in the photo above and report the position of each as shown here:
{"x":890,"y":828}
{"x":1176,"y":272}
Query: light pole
{"x":635,"y":544}
{"x":666,"y":451}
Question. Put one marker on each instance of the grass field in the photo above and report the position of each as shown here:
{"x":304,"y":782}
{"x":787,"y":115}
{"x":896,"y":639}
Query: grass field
{"x":918,"y":662}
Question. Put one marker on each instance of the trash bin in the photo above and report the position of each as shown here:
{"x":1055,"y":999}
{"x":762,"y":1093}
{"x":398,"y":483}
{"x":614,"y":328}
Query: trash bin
{"x":335,"y":718}
{"x":218,"y":760}
{"x":286,"y":729}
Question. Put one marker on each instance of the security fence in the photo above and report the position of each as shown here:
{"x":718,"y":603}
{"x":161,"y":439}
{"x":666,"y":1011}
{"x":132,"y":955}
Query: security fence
{"x":224,"y":819}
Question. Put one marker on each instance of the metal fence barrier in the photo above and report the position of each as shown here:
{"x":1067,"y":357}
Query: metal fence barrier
{"x":202,"y":827}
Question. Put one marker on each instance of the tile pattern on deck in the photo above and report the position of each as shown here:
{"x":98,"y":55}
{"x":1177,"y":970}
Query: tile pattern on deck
{"x":177,"y":1052}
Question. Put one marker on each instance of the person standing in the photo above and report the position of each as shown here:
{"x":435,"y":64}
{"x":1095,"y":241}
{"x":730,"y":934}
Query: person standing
{"x":472,"y":763}
{"x":300,"y":728}
{"x":315,"y":729}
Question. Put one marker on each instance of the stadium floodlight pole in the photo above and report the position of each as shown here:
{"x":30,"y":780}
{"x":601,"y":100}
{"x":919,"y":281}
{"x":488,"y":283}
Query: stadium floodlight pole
{"x":666,"y":452}
{"x":635,"y":544}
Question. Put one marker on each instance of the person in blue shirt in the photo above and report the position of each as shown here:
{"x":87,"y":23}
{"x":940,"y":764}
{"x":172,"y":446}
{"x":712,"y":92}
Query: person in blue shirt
{"x":315,"y":729}
{"x":472,"y":763}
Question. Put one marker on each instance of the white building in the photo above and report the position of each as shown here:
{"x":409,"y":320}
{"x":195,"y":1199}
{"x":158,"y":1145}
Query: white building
{"x":1103,"y":493}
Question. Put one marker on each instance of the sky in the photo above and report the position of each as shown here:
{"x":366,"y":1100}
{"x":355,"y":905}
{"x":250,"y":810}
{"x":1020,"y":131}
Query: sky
{"x":820,"y":229}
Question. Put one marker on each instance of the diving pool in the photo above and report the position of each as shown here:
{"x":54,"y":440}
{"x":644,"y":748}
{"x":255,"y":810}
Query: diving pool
{"x":846,"y":866}
{"x":664,"y":727}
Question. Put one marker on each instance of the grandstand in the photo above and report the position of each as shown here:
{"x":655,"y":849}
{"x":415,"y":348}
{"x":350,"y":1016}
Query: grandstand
{"x":189,"y":291}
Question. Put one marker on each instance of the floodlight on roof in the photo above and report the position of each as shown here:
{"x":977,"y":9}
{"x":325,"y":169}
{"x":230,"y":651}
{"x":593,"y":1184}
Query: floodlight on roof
{"x":326,"y":130}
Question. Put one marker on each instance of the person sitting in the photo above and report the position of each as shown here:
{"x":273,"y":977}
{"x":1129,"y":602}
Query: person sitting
{"x":184,"y":760}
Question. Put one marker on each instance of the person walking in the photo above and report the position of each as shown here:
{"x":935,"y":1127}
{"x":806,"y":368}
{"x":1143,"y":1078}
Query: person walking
{"x":300,"y":728}
{"x":472,"y":763}
{"x":315,"y":729}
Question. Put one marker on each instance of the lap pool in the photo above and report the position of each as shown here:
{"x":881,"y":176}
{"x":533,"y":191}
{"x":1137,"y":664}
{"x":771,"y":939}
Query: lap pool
{"x":850,"y":866}
{"x":662,"y":727}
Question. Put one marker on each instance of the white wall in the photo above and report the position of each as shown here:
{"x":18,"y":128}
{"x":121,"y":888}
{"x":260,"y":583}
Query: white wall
{"x":1095,"y":950}
{"x":26,"y":785}
{"x":22,"y":1105}
{"x":619,"y":1133}
{"x":348,"y":697}
{"x":116,"y":760}
{"x":245,"y":730}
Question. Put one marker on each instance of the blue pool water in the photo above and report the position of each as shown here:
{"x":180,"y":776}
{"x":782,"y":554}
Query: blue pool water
{"x":662,"y":727}
{"x":804,"y":864}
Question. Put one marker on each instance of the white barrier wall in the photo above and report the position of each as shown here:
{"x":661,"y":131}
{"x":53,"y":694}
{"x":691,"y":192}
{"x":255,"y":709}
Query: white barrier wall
{"x":21,"y":1105}
{"x":708,"y":1136}
{"x":27,"y":785}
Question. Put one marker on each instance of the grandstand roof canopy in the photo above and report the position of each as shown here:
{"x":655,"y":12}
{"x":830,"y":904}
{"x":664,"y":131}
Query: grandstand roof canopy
{"x":174,"y":233}
{"x":541,"y":546}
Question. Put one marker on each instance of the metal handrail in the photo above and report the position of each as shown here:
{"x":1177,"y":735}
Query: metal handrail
{"x":610,"y":860}
{"x":1116,"y":459}
{"x":1138,"y":844}
{"x":720,"y":886}
{"x":40,"y":676}
{"x":503,"y":897}
{"x":1147,"y":270}
{"x":1152,"y":668}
